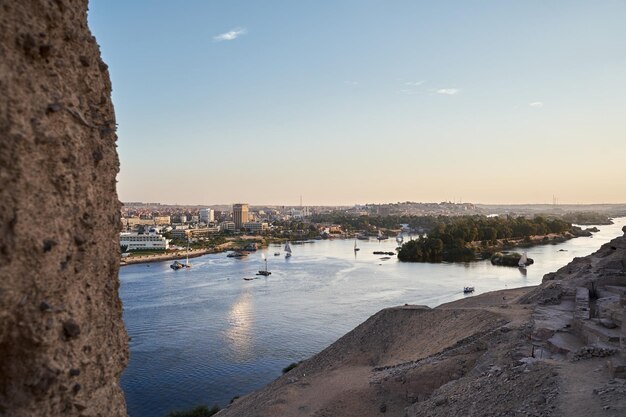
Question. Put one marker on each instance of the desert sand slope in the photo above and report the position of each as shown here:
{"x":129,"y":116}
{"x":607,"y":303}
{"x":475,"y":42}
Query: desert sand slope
{"x":520,"y":352}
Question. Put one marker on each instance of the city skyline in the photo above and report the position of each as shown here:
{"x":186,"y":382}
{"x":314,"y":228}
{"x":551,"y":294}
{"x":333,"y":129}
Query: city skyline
{"x":357,"y":102}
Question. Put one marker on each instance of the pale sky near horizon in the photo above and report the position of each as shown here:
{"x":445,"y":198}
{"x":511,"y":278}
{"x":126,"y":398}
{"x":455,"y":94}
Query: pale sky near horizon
{"x":348,"y":102}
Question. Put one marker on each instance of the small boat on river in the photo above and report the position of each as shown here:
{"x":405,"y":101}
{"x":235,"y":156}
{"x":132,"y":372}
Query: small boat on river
{"x":265,"y":272}
{"x":177,"y":265}
{"x":523,"y":261}
{"x":468,"y":290}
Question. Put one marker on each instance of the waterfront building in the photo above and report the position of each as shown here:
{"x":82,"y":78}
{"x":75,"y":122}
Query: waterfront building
{"x":140,"y":241}
{"x":207,"y":215}
{"x":240,"y":215}
{"x":256,"y":227}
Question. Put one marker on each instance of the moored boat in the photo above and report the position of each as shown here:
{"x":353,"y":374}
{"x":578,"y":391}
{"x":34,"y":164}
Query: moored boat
{"x":177,"y":265}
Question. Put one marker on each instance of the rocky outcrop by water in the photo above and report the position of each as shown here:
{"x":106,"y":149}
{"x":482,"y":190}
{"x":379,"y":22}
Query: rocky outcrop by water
{"x":62,"y":341}
{"x":509,"y":259}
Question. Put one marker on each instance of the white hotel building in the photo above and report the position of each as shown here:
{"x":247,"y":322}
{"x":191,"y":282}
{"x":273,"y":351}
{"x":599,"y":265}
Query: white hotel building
{"x":150,"y":241}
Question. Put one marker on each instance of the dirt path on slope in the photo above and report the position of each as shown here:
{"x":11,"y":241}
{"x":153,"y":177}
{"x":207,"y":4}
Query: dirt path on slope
{"x":577,"y":398}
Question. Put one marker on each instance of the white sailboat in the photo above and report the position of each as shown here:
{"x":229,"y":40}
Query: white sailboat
{"x":399,"y":238}
{"x":355,"y":247}
{"x":522,"y":261}
{"x":177,"y":265}
{"x":287,"y":250}
{"x":187,"y":264}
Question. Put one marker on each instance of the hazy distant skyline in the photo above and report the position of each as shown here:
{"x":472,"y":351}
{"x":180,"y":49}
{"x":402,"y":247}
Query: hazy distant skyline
{"x":348,"y":102}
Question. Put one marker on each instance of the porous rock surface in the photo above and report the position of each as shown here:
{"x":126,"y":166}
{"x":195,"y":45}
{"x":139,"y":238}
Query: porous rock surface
{"x":62,"y":341}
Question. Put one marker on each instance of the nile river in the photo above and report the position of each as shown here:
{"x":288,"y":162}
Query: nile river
{"x":204,"y":335}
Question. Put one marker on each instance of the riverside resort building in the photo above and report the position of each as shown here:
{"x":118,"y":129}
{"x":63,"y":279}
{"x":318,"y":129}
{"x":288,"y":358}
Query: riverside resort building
{"x":150,"y":241}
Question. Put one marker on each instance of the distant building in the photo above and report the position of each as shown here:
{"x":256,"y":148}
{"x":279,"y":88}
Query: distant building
{"x":136,"y":241}
{"x":134,"y":221}
{"x":193,"y":233}
{"x":227,"y":226}
{"x":240,"y":215}
{"x":162,"y":220}
{"x":207,"y":215}
{"x":256,"y":226}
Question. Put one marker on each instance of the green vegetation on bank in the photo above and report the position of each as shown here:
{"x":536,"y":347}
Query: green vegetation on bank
{"x":454,"y":239}
{"x":587,"y":218}
{"x":198,"y":411}
{"x":290,"y":367}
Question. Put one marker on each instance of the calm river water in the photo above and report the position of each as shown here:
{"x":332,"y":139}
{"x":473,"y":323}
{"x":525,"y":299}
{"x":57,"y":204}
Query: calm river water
{"x":205,"y":335}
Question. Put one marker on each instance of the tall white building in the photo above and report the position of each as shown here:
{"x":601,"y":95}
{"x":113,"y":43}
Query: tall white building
{"x":207,"y":215}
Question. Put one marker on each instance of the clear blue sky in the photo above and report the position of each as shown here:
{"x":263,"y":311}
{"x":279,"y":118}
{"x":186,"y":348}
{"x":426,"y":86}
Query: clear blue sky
{"x":367,"y":101}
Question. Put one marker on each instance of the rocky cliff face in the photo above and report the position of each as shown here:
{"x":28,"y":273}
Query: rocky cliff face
{"x":62,"y":340}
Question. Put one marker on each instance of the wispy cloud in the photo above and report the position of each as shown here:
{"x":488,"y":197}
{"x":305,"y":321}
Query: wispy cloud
{"x":230,"y":35}
{"x":414,"y":83}
{"x":536,"y":104}
{"x":350,"y":82}
{"x":448,"y":91}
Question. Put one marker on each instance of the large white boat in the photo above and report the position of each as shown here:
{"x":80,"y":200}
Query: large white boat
{"x":287,"y":250}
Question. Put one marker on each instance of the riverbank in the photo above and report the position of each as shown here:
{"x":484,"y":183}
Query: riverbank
{"x":237,"y":243}
{"x":524,"y":351}
{"x":192,"y":253}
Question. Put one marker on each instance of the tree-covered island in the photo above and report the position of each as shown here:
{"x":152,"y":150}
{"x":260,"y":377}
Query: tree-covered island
{"x":470,"y":238}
